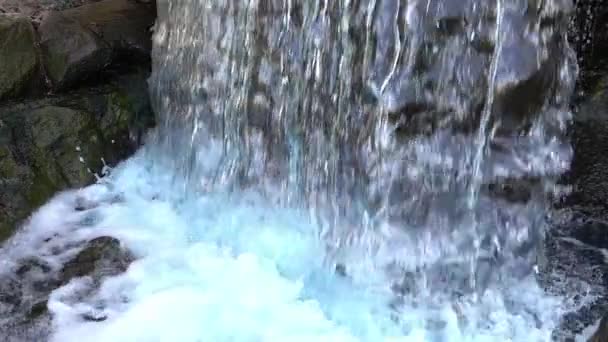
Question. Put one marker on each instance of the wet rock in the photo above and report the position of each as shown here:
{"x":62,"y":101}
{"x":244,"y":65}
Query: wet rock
{"x":71,"y":52}
{"x":35,"y":9}
{"x":18,"y":55}
{"x":101,"y":257}
{"x":587,"y":35}
{"x":123,"y":24}
{"x":81,"y":42}
{"x":10,"y":294}
{"x":601,"y":334}
{"x":24,"y":292}
{"x":61,"y":142}
{"x":590,"y":142}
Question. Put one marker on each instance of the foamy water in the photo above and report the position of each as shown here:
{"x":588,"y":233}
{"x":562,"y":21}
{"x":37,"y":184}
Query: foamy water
{"x":213,"y":267}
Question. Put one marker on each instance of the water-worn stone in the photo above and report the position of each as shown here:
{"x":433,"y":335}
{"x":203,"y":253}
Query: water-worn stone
{"x":102,"y":257}
{"x":18,"y":55}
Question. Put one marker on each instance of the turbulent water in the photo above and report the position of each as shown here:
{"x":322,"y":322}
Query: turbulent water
{"x":331,"y":170}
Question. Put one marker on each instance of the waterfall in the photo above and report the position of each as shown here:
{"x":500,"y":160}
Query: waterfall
{"x":340,"y":170}
{"x":397,"y":123}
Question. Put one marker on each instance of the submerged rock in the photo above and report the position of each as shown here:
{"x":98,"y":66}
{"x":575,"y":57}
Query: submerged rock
{"x":18,"y":55}
{"x":102,"y":257}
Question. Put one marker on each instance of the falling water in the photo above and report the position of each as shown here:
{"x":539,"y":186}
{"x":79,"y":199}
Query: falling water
{"x":388,"y":119}
{"x":384,"y":168}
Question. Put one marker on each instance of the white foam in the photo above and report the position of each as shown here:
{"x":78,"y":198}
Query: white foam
{"x":214,"y":267}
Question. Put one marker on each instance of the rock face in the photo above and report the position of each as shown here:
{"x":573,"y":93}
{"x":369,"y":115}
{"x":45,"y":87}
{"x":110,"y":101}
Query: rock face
{"x":91,"y":58}
{"x":70,"y":46}
{"x":577,"y":245}
{"x":18,"y":55}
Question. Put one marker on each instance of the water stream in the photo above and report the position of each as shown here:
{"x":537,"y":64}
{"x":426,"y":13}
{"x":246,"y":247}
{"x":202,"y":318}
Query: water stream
{"x":331,"y":170}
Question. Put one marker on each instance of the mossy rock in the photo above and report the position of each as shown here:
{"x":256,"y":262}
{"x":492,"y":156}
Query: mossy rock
{"x":101,"y":257}
{"x":18,"y":55}
{"x":67,"y":145}
{"x":60,"y":142}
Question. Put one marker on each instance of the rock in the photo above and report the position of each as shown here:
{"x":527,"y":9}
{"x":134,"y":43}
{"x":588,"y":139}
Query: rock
{"x":25,"y":288}
{"x":18,"y":56}
{"x":81,"y":42}
{"x":64,"y":144}
{"x":71,"y":52}
{"x":587,"y":35}
{"x":601,"y":334}
{"x":101,"y":257}
{"x":123,"y":24}
{"x":34,"y":9}
{"x":55,"y":143}
{"x":10,"y":294}
{"x":590,"y":142}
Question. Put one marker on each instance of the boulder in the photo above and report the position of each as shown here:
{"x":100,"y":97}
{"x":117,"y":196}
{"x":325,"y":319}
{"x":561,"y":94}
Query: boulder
{"x":71,"y":52}
{"x":81,"y":42}
{"x":123,"y":24}
{"x":18,"y":55}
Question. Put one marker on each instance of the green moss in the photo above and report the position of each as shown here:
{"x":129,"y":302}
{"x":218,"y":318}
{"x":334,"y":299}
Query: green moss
{"x":8,"y":166}
{"x":41,"y":190}
{"x":119,"y":114}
